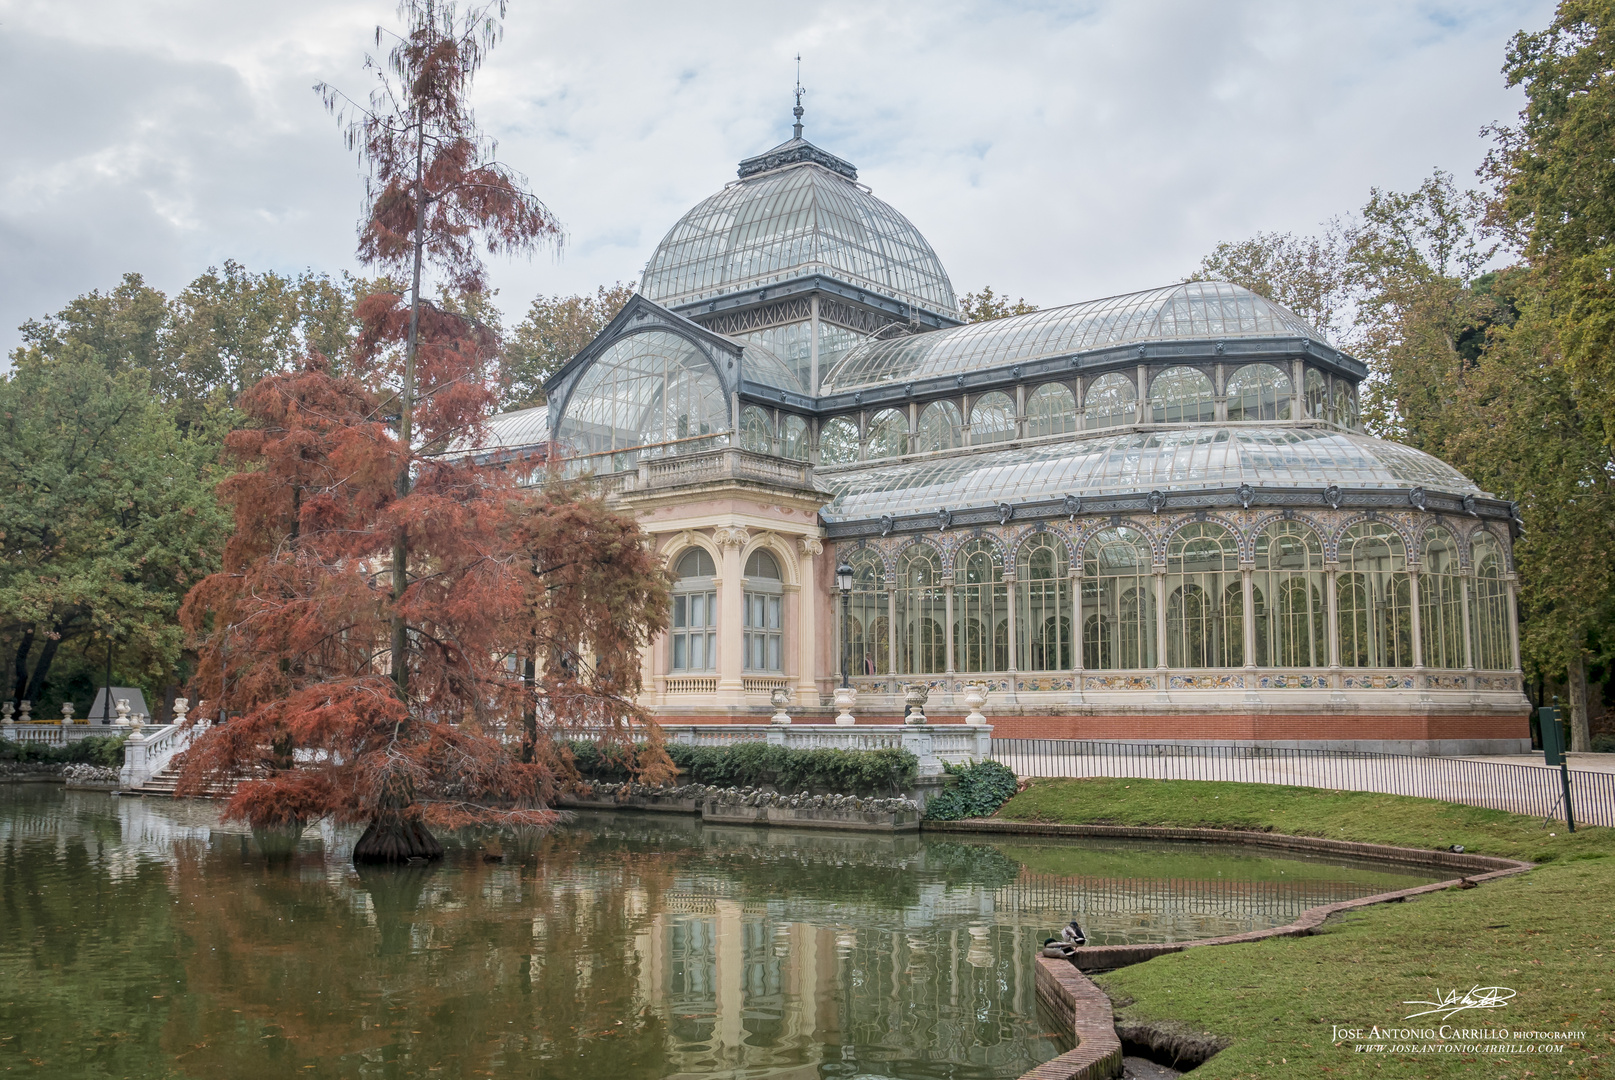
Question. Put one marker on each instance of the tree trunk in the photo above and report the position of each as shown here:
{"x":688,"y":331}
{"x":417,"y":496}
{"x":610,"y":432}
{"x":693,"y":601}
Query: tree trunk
{"x":47,"y":656}
{"x":395,"y":835}
{"x":529,"y":711}
{"x":20,"y":679}
{"x":1581,"y":740}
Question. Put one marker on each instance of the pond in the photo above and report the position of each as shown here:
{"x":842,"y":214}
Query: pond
{"x":142,"y":937}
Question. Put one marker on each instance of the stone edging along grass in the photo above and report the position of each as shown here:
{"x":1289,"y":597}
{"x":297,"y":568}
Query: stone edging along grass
{"x":1109,"y":957}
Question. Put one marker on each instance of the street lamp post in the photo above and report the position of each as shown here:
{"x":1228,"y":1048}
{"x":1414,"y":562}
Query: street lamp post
{"x":844,"y":583}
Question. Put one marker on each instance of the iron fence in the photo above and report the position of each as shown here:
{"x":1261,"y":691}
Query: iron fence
{"x":1535,"y":790}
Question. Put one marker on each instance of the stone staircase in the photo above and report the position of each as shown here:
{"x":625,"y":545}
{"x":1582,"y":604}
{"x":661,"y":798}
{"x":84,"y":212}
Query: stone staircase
{"x":162,"y":783}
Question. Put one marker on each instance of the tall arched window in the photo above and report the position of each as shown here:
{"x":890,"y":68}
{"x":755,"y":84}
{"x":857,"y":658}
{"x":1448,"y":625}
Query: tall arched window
{"x":1373,"y":598}
{"x":1345,"y":412}
{"x":1051,"y":410}
{"x":756,"y":433}
{"x":870,"y":633}
{"x":1110,"y":400}
{"x":1441,"y":601}
{"x":1259,"y":392}
{"x":838,"y":441}
{"x":1118,"y":601}
{"x":888,"y":434}
{"x":1043,"y":604}
{"x":921,"y":610}
{"x":1205,"y":600}
{"x":1489,"y":616}
{"x":763,"y":598}
{"x":980,"y":607}
{"x":794,"y":438}
{"x":1182,"y":395}
{"x":940,"y":428}
{"x":1315,"y":395}
{"x":649,"y":389}
{"x":694,"y":631}
{"x":992,"y":418}
{"x":1291,"y":608}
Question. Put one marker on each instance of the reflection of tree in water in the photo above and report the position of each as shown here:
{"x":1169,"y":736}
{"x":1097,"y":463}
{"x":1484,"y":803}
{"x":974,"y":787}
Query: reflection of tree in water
{"x":474,"y":968}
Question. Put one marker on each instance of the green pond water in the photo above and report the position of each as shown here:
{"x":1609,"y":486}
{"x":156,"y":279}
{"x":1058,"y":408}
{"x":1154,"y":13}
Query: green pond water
{"x":145,"y":938}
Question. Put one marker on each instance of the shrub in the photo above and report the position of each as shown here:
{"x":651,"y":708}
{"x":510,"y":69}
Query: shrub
{"x":103,"y":750}
{"x":1604,"y":744}
{"x":757,"y":764}
{"x":981,"y":790}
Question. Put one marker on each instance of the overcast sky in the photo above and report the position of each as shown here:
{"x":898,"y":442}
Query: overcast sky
{"x":1060,"y":151}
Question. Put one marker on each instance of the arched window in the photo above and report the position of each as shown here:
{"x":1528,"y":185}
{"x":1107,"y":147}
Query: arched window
{"x":694,"y":631}
{"x":980,"y":606}
{"x":648,"y":389}
{"x":1110,"y":400}
{"x":1259,"y":392}
{"x":888,"y":434}
{"x":1051,"y":410}
{"x":1118,"y":601}
{"x":1373,"y":598}
{"x":1489,"y":616}
{"x":756,"y":433}
{"x":940,"y":428}
{"x":1345,"y":404}
{"x":1291,"y":611}
{"x":1205,"y":600}
{"x":1043,"y":604}
{"x":763,"y":598}
{"x":1315,"y":396}
{"x":921,"y":610}
{"x":869,"y":647}
{"x":1182,"y":395}
{"x":992,"y":418}
{"x":1441,"y":601}
{"x":838,"y":442}
{"x":794,"y":438}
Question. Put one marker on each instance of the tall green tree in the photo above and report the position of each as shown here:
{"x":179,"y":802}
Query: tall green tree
{"x":1307,"y":274}
{"x":106,"y":515}
{"x":555,"y":330}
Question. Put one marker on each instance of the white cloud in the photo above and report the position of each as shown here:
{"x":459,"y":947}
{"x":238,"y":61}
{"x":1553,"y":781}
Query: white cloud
{"x":1056,"y":151}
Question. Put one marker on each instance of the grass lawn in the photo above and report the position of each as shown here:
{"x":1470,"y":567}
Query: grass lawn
{"x":1549,"y":935}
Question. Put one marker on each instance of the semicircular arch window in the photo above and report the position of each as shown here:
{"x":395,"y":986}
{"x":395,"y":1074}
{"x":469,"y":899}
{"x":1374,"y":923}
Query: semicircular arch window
{"x":793,"y":435}
{"x":1110,"y":400}
{"x":992,"y":418}
{"x":1118,"y":601}
{"x":1043,"y":593}
{"x":1345,"y":412}
{"x":654,"y":391}
{"x":838,"y":442}
{"x":940,"y":428}
{"x":1441,"y":601}
{"x":1373,"y":598}
{"x":1182,"y":395}
{"x":693,"y":630}
{"x":1259,"y":392}
{"x":869,"y":627}
{"x":921,"y":611}
{"x":1205,"y":600}
{"x":1488,"y":618}
{"x":1288,"y":590}
{"x":1315,"y":395}
{"x":888,"y":434}
{"x":756,"y":432}
{"x":1051,"y":410}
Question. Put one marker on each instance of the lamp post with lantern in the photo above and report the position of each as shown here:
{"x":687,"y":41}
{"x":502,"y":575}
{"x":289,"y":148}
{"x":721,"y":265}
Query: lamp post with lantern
{"x":844,"y":583}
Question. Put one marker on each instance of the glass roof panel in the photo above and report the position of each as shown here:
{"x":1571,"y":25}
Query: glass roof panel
{"x":1138,"y":462}
{"x":518,"y":430}
{"x":1195,"y":309}
{"x":762,"y":365}
{"x":790,"y":222}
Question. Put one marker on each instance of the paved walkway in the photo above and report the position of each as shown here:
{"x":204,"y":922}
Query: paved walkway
{"x":1521,"y":784}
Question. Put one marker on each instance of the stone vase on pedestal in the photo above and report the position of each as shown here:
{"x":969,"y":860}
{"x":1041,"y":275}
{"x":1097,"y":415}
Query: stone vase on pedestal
{"x":846,"y":697}
{"x":779,"y":698}
{"x":914,"y":696}
{"x":975,"y":698}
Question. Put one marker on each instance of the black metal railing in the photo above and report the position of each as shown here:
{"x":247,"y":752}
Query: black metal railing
{"x":1521,"y":789}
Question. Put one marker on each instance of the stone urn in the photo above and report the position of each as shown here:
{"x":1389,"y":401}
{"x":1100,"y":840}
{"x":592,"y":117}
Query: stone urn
{"x":6,"y":711}
{"x":975,"y":698}
{"x":67,"y":713}
{"x":26,"y":714}
{"x":846,"y":698}
{"x":914,"y":696}
{"x":123,"y":714}
{"x":181,"y":707}
{"x":780,"y":698}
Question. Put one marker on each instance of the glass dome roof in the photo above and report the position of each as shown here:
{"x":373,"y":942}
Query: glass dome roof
{"x":1195,"y":309}
{"x":787,"y":222}
{"x":1139,"y":462}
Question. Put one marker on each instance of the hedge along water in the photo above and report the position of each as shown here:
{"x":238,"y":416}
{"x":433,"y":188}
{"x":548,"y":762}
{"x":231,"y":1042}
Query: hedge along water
{"x":755,"y":764}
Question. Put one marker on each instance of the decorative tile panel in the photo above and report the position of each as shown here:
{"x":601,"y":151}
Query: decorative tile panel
{"x":1510,"y":683}
{"x":1290,"y":680}
{"x":1378,"y":682}
{"x":1119,"y":682}
{"x":1044,"y":683}
{"x":1205,"y":682}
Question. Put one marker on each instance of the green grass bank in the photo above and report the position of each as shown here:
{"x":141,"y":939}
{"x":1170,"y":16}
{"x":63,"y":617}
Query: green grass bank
{"x":1549,"y":935}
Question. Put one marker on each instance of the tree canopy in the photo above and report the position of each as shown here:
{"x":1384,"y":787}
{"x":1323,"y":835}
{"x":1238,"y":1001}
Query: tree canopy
{"x":555,"y":329}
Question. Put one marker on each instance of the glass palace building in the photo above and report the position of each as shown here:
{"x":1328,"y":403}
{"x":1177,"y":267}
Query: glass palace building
{"x":1151,"y":516}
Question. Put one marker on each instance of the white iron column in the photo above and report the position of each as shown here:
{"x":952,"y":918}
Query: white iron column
{"x":891,"y":628}
{"x":1418,"y":630}
{"x":1247,"y":574}
{"x":1331,"y":630}
{"x":731,"y":615}
{"x":1009,"y":599}
{"x":1160,"y":622}
{"x":813,"y":348}
{"x":809,"y":599}
{"x":1513,"y":621}
{"x":947,"y":631}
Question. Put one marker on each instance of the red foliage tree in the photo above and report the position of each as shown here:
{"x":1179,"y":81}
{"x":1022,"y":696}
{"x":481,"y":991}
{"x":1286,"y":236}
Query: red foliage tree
{"x":399,"y":635}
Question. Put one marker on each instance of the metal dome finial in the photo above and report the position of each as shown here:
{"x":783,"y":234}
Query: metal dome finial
{"x":796,"y":128}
